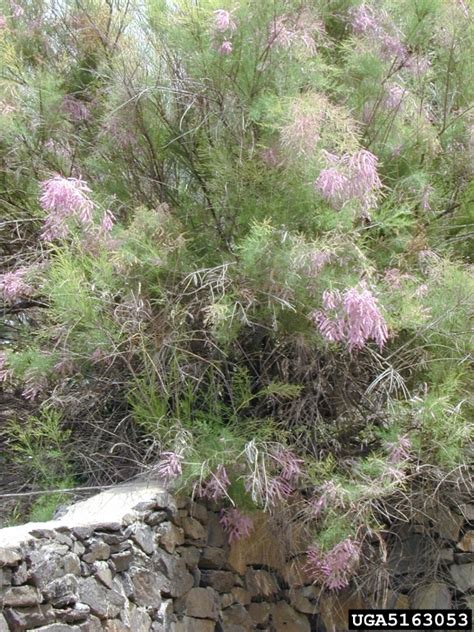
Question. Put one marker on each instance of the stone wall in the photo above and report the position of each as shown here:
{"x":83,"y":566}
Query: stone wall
{"x":165,"y":565}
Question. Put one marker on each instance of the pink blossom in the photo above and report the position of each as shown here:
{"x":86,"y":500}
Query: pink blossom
{"x":391,"y":46}
{"x":13,"y":285}
{"x":333,"y":186}
{"x":223,"y":21}
{"x":299,"y":28}
{"x":400,"y":450}
{"x":355,"y":318}
{"x":215,"y":488}
{"x":3,"y":22}
{"x":108,"y":221}
{"x":318,"y":259}
{"x":277,"y":490}
{"x":17,"y":10}
{"x":331,"y":328}
{"x":364,"y":319}
{"x":75,"y":109}
{"x":353,"y":177}
{"x":334,"y":568}
{"x":235,"y":524}
{"x":225,"y":48}
{"x":289,"y":463}
{"x":63,"y":198}
{"x":169,"y":466}
{"x":363,"y":20}
{"x":393,"y":97}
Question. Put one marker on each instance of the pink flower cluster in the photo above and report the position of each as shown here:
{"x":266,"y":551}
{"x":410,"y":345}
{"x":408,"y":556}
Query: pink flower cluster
{"x":64,"y":198}
{"x":290,"y":464}
{"x":215,"y":488}
{"x":287,"y":30}
{"x":352,"y":316}
{"x":350,"y":177}
{"x":224,"y":26}
{"x":170,"y":466}
{"x":365,"y":21}
{"x":13,"y":285}
{"x":334,"y":568}
{"x":235,"y":524}
{"x":393,"y":97}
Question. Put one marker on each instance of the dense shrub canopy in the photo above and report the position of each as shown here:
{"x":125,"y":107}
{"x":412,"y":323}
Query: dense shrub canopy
{"x":235,"y":250}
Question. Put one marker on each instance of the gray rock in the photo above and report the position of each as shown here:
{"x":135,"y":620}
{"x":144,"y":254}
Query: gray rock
{"x":72,"y":564}
{"x":448,"y":524}
{"x":82,"y":533}
{"x":241,"y":596}
{"x":9,"y":557}
{"x":193,"y":625}
{"x":222,"y":581}
{"x":77,"y":614}
{"x":227,"y":599}
{"x":139,"y":620}
{"x":237,"y":615}
{"x":112,"y":538}
{"x":463,"y":558}
{"x":431,"y":596}
{"x":179,"y":579}
{"x":198,"y":511}
{"x":260,"y":613}
{"x":115,"y":625}
{"x":122,"y":560}
{"x":78,"y":548}
{"x":302,"y":603}
{"x":463,"y":576}
{"x":194,"y":530}
{"x":103,"y":603}
{"x":215,"y":533}
{"x":169,"y":536}
{"x":468,"y":511}
{"x":201,"y":603}
{"x":96,"y":550}
{"x":27,"y":618}
{"x":103,"y":573}
{"x":467,"y":542}
{"x":21,"y":574}
{"x":285,"y":618}
{"x":93,"y":624}
{"x":63,"y":592}
{"x":156,"y":517}
{"x":213,"y":557}
{"x":446,"y":556}
{"x":47,"y":563}
{"x":190,"y":555}
{"x":3,"y":624}
{"x":147,"y":587}
{"x":163,"y":500}
{"x":21,"y":596}
{"x":260,"y":583}
{"x":58,"y":627}
{"x":143,"y":536}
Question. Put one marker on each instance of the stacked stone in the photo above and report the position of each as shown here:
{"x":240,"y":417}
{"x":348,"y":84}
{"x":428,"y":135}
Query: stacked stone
{"x":167,"y":567}
{"x":162,"y":568}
